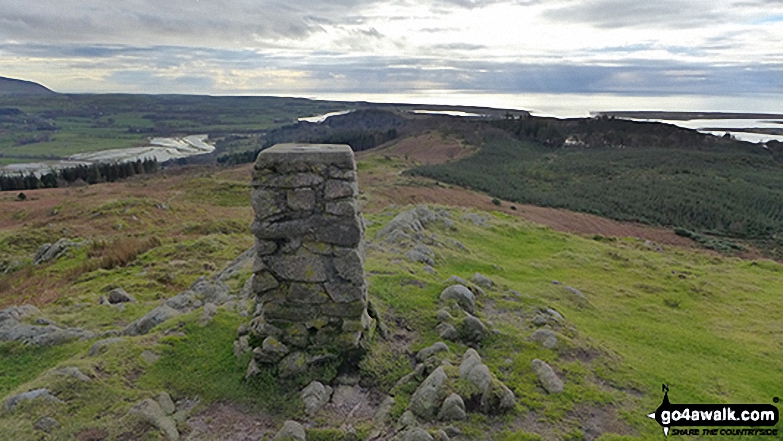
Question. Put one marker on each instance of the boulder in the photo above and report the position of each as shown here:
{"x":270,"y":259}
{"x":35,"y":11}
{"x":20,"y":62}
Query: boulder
{"x":443,"y":315}
{"x":425,"y":402}
{"x":447,"y":331}
{"x":315,"y":396}
{"x":540,"y":319}
{"x":150,"y":320}
{"x":431,"y":350}
{"x":480,"y":376}
{"x":118,"y":295}
{"x":408,"y":419}
{"x":72,"y":372}
{"x":464,"y":297}
{"x":453,"y":409}
{"x":547,"y":338}
{"x":546,"y":376}
{"x":10,"y":403}
{"x":456,"y":280}
{"x":421,"y":253}
{"x":417,"y":434}
{"x":150,"y":411}
{"x":482,"y":280}
{"x":166,"y":403}
{"x":473,"y":329}
{"x":470,"y":359}
{"x":497,"y":399}
{"x":291,"y":431}
{"x":383,"y":413}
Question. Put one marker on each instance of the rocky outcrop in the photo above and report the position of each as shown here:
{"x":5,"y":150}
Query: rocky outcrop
{"x":44,"y":334}
{"x":48,"y":252}
{"x":38,"y":394}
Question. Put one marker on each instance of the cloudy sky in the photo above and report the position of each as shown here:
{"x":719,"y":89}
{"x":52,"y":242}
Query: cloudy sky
{"x":319,"y":47}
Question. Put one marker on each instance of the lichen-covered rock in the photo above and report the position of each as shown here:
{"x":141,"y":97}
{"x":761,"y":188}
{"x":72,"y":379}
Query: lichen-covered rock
{"x":443,"y":315}
{"x":447,"y":331}
{"x":456,"y":280}
{"x":71,"y":372}
{"x":431,"y":350}
{"x":497,"y":399}
{"x":417,"y":434}
{"x":408,"y":419}
{"x":100,"y":346}
{"x":470,"y":359}
{"x":38,"y":394}
{"x":150,"y":320}
{"x":546,"y":376}
{"x":150,"y":411}
{"x":426,"y":401}
{"x":463,"y":296}
{"x":482,"y":280}
{"x":292,"y":365}
{"x":480,"y":376}
{"x":165,"y":402}
{"x":291,"y":431}
{"x":315,"y":396}
{"x":383,"y":413}
{"x":271,"y":351}
{"x":421,"y":253}
{"x":473,"y":329}
{"x":547,"y":338}
{"x":453,"y":409}
{"x":48,"y":252}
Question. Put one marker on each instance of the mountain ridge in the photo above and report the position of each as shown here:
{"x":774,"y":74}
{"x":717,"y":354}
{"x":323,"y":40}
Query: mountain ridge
{"x":13,"y":86}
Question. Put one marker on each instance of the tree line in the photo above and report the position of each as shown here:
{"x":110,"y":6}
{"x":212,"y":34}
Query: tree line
{"x":91,"y":174}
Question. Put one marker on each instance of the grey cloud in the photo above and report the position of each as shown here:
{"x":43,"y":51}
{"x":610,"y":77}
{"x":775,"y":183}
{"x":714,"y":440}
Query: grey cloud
{"x":221,"y":23}
{"x":459,"y":47}
{"x":635,"y":13}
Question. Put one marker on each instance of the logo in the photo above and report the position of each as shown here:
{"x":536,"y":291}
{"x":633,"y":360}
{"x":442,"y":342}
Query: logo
{"x":711,"y":415}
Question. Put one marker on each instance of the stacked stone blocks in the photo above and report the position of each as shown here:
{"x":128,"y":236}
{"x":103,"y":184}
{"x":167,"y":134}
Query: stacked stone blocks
{"x":308,"y":272}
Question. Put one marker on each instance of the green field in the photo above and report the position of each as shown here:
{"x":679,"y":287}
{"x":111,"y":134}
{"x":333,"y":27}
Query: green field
{"x":57,"y":126}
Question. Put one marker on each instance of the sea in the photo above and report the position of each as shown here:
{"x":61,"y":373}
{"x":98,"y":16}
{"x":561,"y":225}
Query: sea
{"x":586,"y":105}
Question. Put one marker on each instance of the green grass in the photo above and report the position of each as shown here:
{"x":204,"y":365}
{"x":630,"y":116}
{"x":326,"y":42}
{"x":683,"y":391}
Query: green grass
{"x":21,"y":364}
{"x":201,"y":363}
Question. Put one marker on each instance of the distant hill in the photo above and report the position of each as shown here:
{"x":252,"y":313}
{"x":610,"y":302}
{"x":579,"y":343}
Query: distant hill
{"x":10,"y":86}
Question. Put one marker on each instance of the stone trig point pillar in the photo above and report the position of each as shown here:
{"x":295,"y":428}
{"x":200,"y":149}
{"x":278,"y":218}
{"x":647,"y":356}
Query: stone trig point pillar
{"x":308,"y":273}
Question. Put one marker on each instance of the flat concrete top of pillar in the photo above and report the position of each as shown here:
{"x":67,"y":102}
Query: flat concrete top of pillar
{"x":339,"y":155}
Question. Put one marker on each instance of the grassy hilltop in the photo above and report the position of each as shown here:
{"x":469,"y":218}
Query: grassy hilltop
{"x":653,"y":309}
